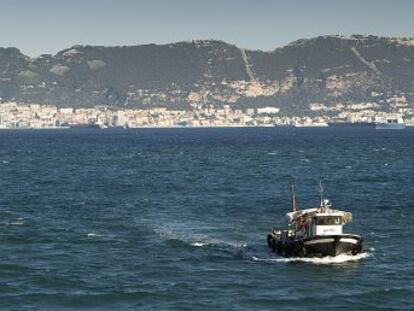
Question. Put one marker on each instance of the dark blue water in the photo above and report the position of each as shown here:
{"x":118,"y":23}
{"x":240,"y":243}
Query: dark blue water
{"x":176,"y":219}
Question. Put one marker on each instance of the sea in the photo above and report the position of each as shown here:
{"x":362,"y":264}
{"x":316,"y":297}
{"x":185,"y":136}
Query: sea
{"x":176,"y":219}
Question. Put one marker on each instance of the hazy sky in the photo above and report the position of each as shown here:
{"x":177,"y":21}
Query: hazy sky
{"x":47,"y":26}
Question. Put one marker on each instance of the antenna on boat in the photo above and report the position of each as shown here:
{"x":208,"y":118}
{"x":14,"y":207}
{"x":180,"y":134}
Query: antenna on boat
{"x":294,"y":204}
{"x":321,"y":191}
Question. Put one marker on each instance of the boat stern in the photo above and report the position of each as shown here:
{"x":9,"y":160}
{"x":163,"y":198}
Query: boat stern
{"x":333,"y":245}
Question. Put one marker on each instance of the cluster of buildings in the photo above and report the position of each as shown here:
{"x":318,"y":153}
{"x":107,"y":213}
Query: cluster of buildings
{"x":382,"y":107}
{"x":15,"y":115}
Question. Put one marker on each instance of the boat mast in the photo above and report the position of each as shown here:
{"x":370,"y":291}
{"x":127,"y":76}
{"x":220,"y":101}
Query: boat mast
{"x":321,"y":191}
{"x":294,"y":204}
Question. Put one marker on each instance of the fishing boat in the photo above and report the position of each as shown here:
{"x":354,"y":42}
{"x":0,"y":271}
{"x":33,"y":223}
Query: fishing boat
{"x":314,"y":232}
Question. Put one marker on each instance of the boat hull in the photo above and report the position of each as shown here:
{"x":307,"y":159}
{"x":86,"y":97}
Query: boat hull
{"x":352,"y":125}
{"x":390,"y":126}
{"x":317,"y":246}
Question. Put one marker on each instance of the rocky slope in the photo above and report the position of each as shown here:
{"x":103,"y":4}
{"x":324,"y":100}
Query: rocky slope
{"x":325,"y":69}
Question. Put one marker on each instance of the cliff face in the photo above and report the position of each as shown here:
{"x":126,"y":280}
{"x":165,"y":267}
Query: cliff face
{"x":324,"y":69}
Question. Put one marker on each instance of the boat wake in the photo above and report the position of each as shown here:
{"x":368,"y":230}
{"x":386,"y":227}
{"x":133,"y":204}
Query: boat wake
{"x":251,"y":252}
{"x":246,"y":251}
{"x":318,"y":261}
{"x":214,"y":242}
{"x":195,"y":239}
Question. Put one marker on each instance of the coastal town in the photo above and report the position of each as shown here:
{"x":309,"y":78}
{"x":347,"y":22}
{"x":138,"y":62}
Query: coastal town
{"x":39,"y":116}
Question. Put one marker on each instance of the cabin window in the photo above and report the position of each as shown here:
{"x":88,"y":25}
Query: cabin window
{"x":328,"y":221}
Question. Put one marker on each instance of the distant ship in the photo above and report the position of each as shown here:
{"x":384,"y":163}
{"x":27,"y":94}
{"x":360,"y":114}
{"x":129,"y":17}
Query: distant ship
{"x":347,"y":124}
{"x":390,"y":123}
{"x":84,"y":126}
{"x":314,"y":232}
{"x":284,"y":125}
{"x":312,"y":125}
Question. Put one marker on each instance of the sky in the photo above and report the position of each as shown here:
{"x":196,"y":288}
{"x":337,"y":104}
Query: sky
{"x":47,"y":26}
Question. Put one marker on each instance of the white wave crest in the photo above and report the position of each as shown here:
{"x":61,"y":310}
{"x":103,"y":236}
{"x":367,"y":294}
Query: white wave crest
{"x":199,"y":244}
{"x":319,"y":261}
{"x":15,"y":223}
{"x":92,"y":235}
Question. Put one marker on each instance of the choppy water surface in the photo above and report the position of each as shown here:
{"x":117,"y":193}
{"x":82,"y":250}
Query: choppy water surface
{"x":176,"y":219}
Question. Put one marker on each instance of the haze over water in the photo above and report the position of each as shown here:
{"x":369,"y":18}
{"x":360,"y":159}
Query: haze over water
{"x":177,"y":219}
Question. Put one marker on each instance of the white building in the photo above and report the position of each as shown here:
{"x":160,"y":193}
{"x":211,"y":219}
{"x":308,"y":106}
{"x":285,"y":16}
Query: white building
{"x":268,"y":110}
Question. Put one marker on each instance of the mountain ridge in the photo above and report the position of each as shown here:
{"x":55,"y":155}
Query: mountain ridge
{"x":189,"y":74}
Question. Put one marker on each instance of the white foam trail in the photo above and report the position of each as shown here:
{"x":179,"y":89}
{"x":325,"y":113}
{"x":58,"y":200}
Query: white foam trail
{"x":167,"y":233}
{"x":219,"y":243}
{"x":318,"y":261}
{"x":196,"y":240}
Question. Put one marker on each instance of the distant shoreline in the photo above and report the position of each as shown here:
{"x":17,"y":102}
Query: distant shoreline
{"x":409,"y":127}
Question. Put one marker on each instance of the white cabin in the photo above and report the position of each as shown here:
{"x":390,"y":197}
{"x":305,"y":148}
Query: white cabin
{"x":317,"y":221}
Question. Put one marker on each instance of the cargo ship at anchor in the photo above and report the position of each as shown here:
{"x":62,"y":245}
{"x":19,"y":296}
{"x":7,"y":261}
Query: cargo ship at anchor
{"x":395,"y":122}
{"x":314,"y":232}
{"x":84,"y":126}
{"x":347,"y":124}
